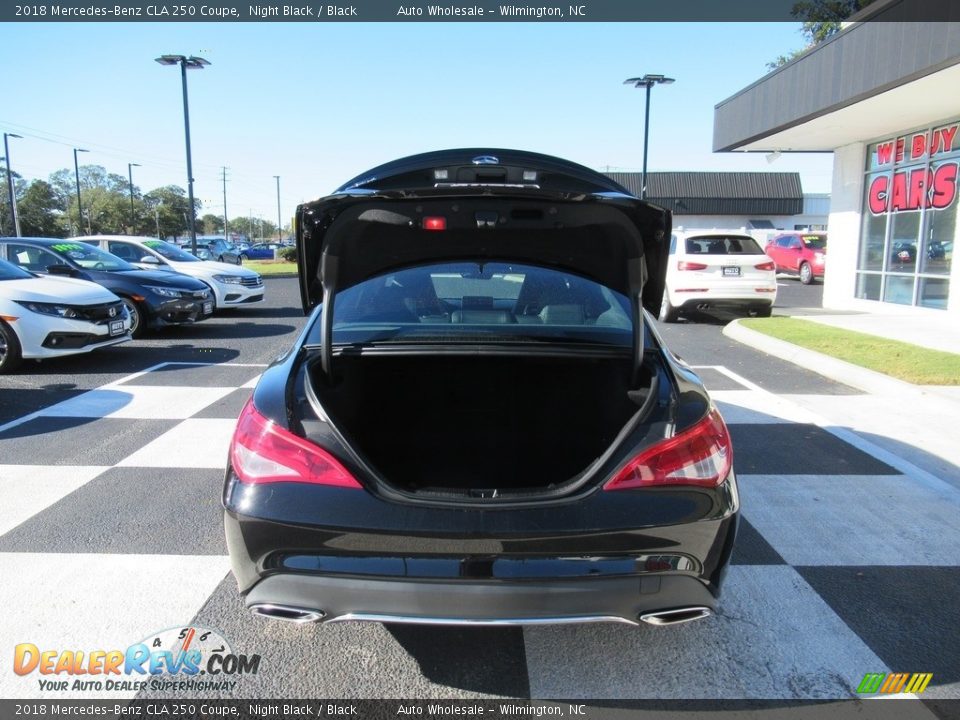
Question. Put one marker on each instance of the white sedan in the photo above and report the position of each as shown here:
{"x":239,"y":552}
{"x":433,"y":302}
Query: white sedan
{"x":232,"y":285}
{"x":717,"y":269}
{"x":52,"y":316}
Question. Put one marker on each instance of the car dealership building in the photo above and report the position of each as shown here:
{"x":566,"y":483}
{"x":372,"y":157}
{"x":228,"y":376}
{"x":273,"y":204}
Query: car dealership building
{"x":883,"y":97}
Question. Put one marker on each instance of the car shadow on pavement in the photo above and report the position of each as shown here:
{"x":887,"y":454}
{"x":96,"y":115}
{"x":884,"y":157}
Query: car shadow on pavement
{"x":489,"y":660}
{"x":260,"y":311}
{"x":232,"y":329}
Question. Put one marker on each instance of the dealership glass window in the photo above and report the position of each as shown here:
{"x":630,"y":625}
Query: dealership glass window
{"x":873,"y":232}
{"x":909,"y":217}
{"x":868,"y":286}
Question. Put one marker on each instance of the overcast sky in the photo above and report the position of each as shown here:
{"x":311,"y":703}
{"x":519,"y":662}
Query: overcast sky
{"x":318,"y":103}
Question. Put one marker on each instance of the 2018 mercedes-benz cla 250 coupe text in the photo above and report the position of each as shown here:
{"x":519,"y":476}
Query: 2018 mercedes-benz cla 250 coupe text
{"x":479,"y":423}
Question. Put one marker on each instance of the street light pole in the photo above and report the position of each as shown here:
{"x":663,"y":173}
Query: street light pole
{"x":647,"y":81}
{"x":10,"y":189}
{"x":185,"y":63}
{"x":130,"y":167}
{"x":279,"y":231}
{"x":226,"y":228}
{"x":76,"y":170}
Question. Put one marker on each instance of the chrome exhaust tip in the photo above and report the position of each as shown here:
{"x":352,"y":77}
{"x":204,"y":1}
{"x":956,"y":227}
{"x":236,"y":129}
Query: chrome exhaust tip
{"x":677,"y":615}
{"x":287,"y":613}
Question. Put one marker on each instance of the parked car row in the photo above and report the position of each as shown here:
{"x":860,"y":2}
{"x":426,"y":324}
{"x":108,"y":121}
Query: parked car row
{"x":61,"y":297}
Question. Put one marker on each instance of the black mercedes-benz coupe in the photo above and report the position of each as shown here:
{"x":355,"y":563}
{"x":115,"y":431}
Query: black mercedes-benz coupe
{"x":480,"y":423}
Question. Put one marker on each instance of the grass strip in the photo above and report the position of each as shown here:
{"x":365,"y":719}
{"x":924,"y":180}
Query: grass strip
{"x":911,"y":363}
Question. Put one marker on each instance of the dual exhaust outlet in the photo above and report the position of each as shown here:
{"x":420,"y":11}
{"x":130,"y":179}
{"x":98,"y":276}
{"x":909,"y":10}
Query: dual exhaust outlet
{"x":301,"y":616}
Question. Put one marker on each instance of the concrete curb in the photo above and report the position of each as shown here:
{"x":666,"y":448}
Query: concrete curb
{"x":869,"y":381}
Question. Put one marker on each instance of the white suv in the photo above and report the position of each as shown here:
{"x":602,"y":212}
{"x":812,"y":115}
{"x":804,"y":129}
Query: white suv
{"x":232,"y":285}
{"x":717,"y":269}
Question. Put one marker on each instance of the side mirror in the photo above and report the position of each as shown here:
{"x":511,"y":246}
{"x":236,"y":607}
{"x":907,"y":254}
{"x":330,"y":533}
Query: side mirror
{"x":60,"y":269}
{"x":149,"y":260}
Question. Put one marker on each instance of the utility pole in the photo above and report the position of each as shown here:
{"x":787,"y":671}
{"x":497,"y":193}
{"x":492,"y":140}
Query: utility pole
{"x":279,"y":230}
{"x":226,"y":228}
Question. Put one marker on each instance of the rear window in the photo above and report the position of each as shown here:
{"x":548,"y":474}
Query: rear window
{"x":501,"y":301}
{"x":723,"y":245}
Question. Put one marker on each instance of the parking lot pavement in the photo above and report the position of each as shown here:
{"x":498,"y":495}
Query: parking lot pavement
{"x":110,"y":530}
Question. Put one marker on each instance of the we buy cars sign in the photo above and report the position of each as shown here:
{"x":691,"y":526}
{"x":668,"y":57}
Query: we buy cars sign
{"x":931,"y":185}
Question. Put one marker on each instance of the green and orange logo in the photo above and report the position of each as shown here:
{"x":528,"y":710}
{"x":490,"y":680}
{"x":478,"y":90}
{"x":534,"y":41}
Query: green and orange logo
{"x":894,"y":683}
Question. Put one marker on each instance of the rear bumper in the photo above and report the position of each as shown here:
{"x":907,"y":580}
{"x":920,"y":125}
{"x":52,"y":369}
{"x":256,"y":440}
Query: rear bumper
{"x":625,"y":599}
{"x":611,"y":556}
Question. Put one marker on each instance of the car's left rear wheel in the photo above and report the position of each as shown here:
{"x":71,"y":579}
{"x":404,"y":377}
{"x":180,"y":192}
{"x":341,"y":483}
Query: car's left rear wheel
{"x":10,"y":353}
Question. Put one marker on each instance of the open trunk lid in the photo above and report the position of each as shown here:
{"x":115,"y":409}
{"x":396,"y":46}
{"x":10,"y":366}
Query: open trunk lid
{"x":475,"y":204}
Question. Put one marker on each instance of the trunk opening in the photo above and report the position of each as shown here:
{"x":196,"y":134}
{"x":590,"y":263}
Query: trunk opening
{"x":469,"y":425}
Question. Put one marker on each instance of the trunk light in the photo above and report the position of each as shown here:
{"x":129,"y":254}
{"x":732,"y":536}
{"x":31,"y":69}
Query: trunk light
{"x":434,"y":223}
{"x":684,"y":265}
{"x":766,"y":266}
{"x":262,"y":452}
{"x":701,"y":455}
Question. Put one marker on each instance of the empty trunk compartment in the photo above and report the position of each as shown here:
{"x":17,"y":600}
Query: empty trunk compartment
{"x":457,"y":423}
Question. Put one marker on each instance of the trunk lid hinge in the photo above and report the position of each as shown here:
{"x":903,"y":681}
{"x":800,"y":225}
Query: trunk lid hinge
{"x":637,"y":277}
{"x":329,"y":268}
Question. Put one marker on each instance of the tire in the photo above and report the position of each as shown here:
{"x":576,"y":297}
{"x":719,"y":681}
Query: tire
{"x":762,"y":312}
{"x":806,"y":273}
{"x":239,"y":259}
{"x":10,"y":353}
{"x":668,"y":313}
{"x":220,"y":259}
{"x":136,"y":317}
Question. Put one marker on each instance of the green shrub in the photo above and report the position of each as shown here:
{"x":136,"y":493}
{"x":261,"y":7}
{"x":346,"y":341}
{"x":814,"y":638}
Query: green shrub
{"x":288,"y":253}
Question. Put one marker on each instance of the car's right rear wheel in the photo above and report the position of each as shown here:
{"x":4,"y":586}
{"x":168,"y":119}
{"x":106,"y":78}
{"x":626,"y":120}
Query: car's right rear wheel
{"x":668,"y":313}
{"x":806,"y":273}
{"x":10,"y":354}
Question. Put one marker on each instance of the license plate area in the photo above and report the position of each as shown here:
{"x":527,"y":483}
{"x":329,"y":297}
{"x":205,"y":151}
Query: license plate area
{"x":116,"y":327}
{"x":731,"y":271}
{"x":208,"y":308}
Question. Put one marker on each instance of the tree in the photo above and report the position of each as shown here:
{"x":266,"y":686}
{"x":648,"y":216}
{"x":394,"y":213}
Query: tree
{"x":211,"y":224}
{"x":169,"y":207}
{"x":821,"y":20}
{"x":40,"y":211}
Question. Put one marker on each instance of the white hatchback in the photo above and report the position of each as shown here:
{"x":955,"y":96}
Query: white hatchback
{"x":717,"y":269}
{"x":52,"y":316}
{"x":232,"y":285}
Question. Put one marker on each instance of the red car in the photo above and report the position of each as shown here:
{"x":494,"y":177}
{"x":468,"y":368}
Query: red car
{"x":799,"y":253}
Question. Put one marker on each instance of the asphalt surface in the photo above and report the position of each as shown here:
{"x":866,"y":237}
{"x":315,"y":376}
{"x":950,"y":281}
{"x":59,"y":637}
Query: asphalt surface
{"x":111,"y":470}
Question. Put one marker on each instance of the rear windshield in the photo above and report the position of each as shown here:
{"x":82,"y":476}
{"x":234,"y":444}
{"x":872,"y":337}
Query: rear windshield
{"x":814,"y":242}
{"x":499,"y":301}
{"x":723,"y":245}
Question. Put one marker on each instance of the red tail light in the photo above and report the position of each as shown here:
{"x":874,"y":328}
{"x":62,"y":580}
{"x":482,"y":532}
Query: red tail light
{"x":684,"y":265}
{"x":701,"y":455}
{"x":435,"y":223}
{"x":766,"y":266}
{"x":262,"y":452}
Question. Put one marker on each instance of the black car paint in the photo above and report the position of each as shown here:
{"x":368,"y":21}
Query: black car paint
{"x":158,"y":311}
{"x":297,"y":543}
